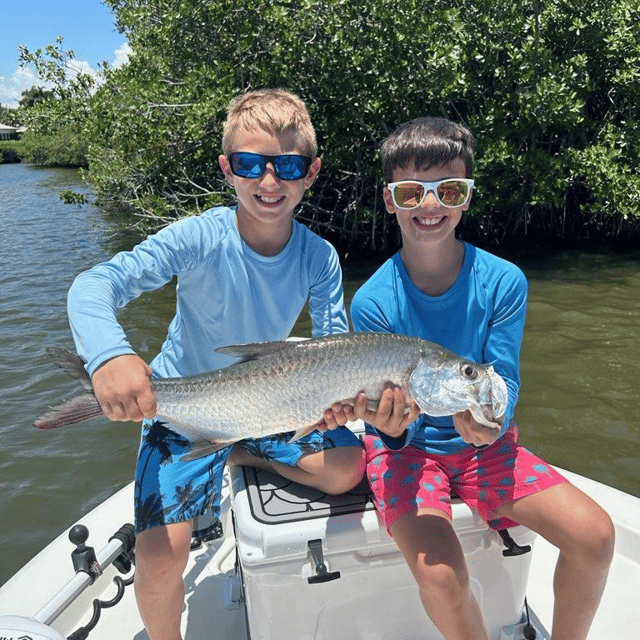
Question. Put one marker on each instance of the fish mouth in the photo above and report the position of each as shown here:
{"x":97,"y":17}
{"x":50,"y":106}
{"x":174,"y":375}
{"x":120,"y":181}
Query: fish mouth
{"x":493,"y":399}
{"x":484,"y":415}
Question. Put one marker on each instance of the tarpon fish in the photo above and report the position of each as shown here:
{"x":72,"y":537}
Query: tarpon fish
{"x":284,"y":386}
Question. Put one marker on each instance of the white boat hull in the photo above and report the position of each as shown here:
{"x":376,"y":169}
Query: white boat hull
{"x":216,"y":608}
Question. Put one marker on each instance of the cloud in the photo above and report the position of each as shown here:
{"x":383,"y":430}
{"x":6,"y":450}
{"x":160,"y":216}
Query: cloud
{"x":76,"y":67}
{"x":121,"y":55}
{"x":24,"y":77}
{"x":11,"y":88}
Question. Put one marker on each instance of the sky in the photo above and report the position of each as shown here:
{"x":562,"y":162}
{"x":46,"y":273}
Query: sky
{"x":87,"y":26}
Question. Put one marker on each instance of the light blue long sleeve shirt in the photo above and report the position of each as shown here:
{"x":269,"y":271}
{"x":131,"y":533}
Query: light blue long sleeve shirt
{"x":226,"y":293}
{"x":480,"y":317}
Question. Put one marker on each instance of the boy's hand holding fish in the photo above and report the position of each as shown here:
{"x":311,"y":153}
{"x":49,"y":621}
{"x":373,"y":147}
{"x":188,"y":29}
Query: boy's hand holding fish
{"x":392,"y":415}
{"x":473,"y":432}
{"x":123,"y":389}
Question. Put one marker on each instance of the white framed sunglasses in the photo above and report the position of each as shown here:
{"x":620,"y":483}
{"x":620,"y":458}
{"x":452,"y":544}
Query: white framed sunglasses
{"x":450,"y":192}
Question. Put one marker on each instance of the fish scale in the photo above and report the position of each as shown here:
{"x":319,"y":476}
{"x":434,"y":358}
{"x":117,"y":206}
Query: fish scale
{"x":283,"y":385}
{"x":278,"y":387}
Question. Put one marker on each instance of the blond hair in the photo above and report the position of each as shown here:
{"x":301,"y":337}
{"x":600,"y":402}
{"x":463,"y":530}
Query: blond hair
{"x":275,"y":111}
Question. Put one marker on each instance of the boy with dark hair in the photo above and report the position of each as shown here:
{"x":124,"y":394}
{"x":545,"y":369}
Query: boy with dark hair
{"x":244,"y":275}
{"x":445,"y":290}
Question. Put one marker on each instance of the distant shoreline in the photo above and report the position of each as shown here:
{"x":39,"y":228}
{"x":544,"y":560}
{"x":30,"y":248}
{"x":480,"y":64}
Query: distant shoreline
{"x":10,"y":151}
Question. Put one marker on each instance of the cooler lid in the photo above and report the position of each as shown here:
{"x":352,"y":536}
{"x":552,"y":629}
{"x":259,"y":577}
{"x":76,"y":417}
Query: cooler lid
{"x":273,"y":499}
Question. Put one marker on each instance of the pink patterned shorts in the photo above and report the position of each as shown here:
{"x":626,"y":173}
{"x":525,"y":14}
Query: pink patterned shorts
{"x":408,"y":479}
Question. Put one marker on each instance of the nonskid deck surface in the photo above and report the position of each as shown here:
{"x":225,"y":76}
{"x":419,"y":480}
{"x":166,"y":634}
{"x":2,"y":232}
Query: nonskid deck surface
{"x":618,"y":616}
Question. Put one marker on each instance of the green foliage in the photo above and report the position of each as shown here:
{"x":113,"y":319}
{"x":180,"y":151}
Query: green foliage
{"x":557,"y":124}
{"x":11,"y":151}
{"x":67,"y":147}
{"x":55,"y":119}
{"x":550,"y":90}
{"x":10,"y":116}
{"x":34,"y":95}
{"x":72,"y":197}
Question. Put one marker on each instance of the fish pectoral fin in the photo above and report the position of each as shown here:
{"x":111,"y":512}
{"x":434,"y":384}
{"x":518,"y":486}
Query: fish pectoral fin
{"x":301,"y":433}
{"x":372,"y":405}
{"x":246,"y":352}
{"x":201,"y":448}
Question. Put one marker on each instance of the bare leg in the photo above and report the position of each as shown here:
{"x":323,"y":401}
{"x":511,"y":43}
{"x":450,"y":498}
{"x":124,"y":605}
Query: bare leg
{"x":332,"y":470}
{"x":434,"y":555}
{"x":161,"y":557}
{"x":585,"y":536}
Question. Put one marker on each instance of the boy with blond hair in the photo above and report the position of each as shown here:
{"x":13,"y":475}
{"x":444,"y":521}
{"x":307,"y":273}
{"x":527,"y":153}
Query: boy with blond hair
{"x":445,"y":290}
{"x":244,"y":275}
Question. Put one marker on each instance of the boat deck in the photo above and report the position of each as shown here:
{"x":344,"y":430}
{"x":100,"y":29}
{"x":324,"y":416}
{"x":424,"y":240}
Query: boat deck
{"x":213,"y":604}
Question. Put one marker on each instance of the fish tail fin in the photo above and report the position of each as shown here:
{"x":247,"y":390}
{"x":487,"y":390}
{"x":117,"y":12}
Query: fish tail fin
{"x":78,"y":409}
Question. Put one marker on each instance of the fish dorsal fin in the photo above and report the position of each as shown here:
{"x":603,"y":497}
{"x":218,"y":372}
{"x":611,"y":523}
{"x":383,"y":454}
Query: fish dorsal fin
{"x":248,"y":352}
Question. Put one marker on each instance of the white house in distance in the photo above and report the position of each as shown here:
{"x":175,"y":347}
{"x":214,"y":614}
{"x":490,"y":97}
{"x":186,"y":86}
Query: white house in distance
{"x":8,"y":132}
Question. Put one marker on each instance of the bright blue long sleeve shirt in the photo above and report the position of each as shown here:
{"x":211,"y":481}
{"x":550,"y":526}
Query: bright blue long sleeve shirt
{"x":226,"y":293}
{"x":480,"y":317}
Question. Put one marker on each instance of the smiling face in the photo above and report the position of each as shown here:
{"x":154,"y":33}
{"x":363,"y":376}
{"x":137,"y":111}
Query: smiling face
{"x":430,"y":222}
{"x":266,"y":204}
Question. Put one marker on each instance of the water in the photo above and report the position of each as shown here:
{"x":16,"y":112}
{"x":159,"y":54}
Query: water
{"x":578,"y":406}
{"x":579,"y":402}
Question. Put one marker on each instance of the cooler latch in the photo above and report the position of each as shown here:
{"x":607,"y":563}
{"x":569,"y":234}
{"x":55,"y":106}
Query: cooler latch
{"x":317,"y":561}
{"x":512,"y":547}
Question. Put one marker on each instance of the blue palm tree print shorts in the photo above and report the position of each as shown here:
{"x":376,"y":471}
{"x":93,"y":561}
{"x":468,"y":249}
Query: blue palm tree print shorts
{"x":169,"y":490}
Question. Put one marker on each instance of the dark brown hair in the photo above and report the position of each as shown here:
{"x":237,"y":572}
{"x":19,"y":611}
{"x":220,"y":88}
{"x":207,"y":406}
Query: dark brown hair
{"x":427,"y":142}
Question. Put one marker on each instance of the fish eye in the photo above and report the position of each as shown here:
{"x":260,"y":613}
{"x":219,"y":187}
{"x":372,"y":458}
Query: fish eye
{"x":469,"y":371}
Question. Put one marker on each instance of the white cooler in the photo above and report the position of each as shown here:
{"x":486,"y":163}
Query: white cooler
{"x":321,"y":567}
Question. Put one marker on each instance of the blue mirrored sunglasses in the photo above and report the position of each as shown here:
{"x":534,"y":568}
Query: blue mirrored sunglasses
{"x":253,"y":165}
